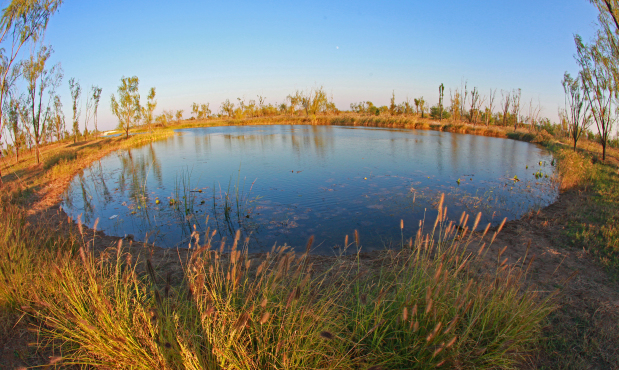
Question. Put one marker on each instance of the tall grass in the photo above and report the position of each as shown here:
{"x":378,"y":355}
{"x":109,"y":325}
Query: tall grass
{"x":424,"y":306}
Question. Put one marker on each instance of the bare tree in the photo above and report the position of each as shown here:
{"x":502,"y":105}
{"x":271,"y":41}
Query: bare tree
{"x":505,"y":103}
{"x":516,"y":106}
{"x":490,"y":107}
{"x":476,"y":103}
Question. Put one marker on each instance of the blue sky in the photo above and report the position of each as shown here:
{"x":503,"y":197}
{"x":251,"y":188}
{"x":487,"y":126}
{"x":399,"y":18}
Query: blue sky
{"x":198,"y":51}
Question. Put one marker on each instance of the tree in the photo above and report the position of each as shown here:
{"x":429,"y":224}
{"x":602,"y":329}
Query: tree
{"x":421,"y":104}
{"x":76,"y":92}
{"x":179,"y":115}
{"x":227,"y":108}
{"x":314,"y":101}
{"x":476,"y":103}
{"x":455,"y":105}
{"x":40,"y":79}
{"x":151,"y":104}
{"x":516,"y":106}
{"x":58,"y":119}
{"x":490,"y":107}
{"x":22,"y":21}
{"x":92,"y":103}
{"x":15,"y":128}
{"x":392,"y":106}
{"x":505,"y":103}
{"x":441,"y":94}
{"x":599,"y":64}
{"x":96,"y":96}
{"x":127,"y":107}
{"x":599,"y":85}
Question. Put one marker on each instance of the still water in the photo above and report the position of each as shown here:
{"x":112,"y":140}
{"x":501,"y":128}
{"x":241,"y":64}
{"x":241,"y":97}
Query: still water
{"x":281,"y":184}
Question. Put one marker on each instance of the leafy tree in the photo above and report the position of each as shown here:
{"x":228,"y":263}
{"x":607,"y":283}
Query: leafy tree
{"x":58,"y":119}
{"x":490,"y":107}
{"x":127,"y":106}
{"x":421,"y":104}
{"x":227,"y":108}
{"x":96,"y":97}
{"x":15,"y":128}
{"x":599,"y":64}
{"x":295,"y":101}
{"x":314,"y":101}
{"x":437,"y":113}
{"x":392,"y":106}
{"x":516,"y":106}
{"x":576,"y":107}
{"x":179,"y":115}
{"x":151,"y":104}
{"x":76,"y":92}
{"x":600,"y":86}
{"x":441,"y":94}
{"x":22,"y":21}
{"x":40,"y":79}
{"x":505,"y":104}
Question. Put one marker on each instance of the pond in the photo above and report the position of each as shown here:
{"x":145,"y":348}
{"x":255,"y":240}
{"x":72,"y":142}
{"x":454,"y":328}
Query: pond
{"x":283,"y":183}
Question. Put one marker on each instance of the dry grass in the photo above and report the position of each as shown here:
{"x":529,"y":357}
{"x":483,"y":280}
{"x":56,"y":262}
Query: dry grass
{"x":426,"y":307}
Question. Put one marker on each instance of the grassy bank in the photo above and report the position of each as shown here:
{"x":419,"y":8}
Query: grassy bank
{"x":426,"y":305}
{"x":423,"y":306}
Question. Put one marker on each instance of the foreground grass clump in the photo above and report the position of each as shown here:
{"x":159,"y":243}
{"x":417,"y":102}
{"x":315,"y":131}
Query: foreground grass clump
{"x":422,"y":306}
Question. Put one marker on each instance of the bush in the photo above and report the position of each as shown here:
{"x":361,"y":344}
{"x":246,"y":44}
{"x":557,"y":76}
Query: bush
{"x":435,"y":113}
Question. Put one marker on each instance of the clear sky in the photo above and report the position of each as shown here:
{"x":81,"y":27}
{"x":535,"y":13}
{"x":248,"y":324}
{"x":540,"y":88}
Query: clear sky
{"x":207,"y":51}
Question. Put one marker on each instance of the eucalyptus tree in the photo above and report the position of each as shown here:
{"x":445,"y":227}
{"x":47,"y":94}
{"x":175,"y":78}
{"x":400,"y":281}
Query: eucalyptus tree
{"x":599,"y":63}
{"x":127,"y":106}
{"x":58,"y":119}
{"x":421,"y":106}
{"x":39,"y":81}
{"x":577,"y":107}
{"x":147,"y":111}
{"x":76,"y":93}
{"x":476,"y":103}
{"x":96,"y":97}
{"x":179,"y":115}
{"x":516,"y":94}
{"x":490,"y":106}
{"x":600,"y":85}
{"x":92,"y":103}
{"x":22,"y":21}
{"x":505,"y":104}
{"x":441,"y":94}
{"x":227,"y":108}
{"x":314,"y":101}
{"x":15,"y":129}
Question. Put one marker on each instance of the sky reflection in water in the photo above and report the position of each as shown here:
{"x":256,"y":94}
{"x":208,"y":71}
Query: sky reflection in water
{"x":284,"y":183}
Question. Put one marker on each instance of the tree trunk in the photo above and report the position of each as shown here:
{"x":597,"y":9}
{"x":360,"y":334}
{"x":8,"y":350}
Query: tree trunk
{"x":603,"y":151}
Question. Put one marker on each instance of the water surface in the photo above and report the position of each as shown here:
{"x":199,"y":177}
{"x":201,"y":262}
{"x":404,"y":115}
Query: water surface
{"x":281,"y":184}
